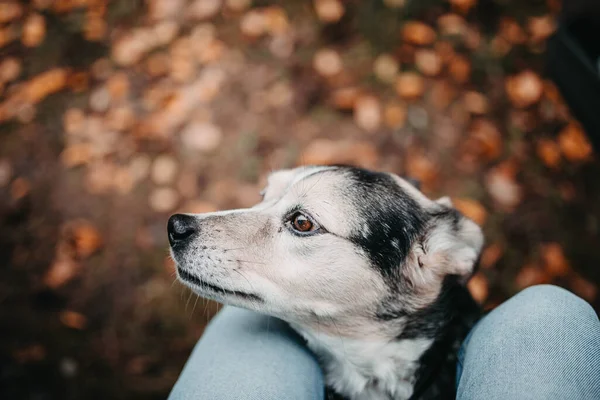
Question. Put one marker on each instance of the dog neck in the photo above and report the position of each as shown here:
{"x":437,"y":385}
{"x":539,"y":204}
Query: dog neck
{"x":400,"y":358}
{"x":375,"y":368}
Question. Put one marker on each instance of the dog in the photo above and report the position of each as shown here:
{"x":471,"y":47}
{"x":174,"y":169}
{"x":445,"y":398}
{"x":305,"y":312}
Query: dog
{"x":365,"y":267}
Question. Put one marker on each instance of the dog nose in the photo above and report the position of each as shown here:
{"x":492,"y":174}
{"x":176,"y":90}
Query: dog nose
{"x":180,"y":227}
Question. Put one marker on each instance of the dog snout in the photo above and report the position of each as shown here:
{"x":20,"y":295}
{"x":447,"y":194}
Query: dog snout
{"x":180,"y":228}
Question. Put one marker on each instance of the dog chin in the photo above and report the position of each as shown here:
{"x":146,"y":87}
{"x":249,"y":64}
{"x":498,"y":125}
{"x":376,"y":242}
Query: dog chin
{"x":216,"y":292}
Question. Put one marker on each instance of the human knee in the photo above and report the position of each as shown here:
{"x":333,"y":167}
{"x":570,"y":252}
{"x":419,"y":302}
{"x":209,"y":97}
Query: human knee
{"x":544,"y":307}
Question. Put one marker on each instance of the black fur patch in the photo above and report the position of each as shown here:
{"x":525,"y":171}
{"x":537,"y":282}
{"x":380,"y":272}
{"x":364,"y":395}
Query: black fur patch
{"x":393,"y":220}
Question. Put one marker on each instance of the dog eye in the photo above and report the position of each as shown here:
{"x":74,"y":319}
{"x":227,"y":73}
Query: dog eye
{"x":302,"y":223}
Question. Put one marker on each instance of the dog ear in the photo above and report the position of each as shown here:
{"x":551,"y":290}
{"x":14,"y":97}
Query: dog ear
{"x":450,"y":245}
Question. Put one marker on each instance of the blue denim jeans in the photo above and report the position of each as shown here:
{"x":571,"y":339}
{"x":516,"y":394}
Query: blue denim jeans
{"x":544,"y":343}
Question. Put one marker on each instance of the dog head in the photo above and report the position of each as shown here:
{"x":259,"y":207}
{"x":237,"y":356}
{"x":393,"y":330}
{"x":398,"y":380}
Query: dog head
{"x":330,"y":243}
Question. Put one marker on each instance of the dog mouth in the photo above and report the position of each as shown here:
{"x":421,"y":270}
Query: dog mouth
{"x":205,"y":286}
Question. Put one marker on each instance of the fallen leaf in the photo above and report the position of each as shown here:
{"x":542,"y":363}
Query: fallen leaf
{"x":85,"y":237}
{"x":20,"y":188}
{"x":367,"y":113}
{"x":344,"y":98}
{"x":540,"y":28}
{"x":555,"y":262}
{"x":491,"y":255}
{"x":584,"y":288}
{"x":385,"y":68}
{"x":479,"y":287}
{"x":62,"y":271}
{"x":511,"y":31}
{"x":472,"y":209}
{"x":203,"y":9}
{"x":428,"y":62}
{"x":524,"y":89}
{"x":475,"y":103}
{"x":530,"y":275}
{"x":549,"y":152}
{"x":410,"y":85}
{"x":10,"y":11}
{"x":327,"y":62}
{"x":463,"y":6}
{"x":10,"y":69}
{"x":238,"y":5}
{"x":502,"y":186}
{"x":574,"y":143}
{"x":164,"y":169}
{"x":202,"y":136}
{"x":452,"y":25}
{"x":418,"y":33}
{"x":329,"y":11}
{"x":395,"y":115}
{"x":460,"y":69}
{"x":253,"y":24}
{"x":163,"y":199}
{"x":73,"y":319}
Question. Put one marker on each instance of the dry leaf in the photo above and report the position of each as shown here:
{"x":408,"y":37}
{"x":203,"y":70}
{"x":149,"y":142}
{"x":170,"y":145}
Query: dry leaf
{"x":238,"y":5}
{"x":73,"y":319}
{"x":475,"y":103}
{"x":164,"y":169}
{"x":163,"y":199}
{"x":329,"y":11}
{"x":491,"y":255}
{"x":524,"y":89}
{"x":464,"y":6}
{"x":428,"y":62}
{"x":34,"y":30}
{"x":574,"y":143}
{"x":10,"y":11}
{"x":62,"y":271}
{"x":511,"y":31}
{"x":410,"y":85}
{"x":203,"y":9}
{"x":471,"y":209}
{"x":418,"y":33}
{"x":452,"y":25}
{"x":76,"y":154}
{"x":277,"y":22}
{"x":20,"y":188}
{"x":540,"y":28}
{"x":460,"y":69}
{"x":45,"y":84}
{"x":344,"y":99}
{"x":531,"y":275}
{"x":10,"y":69}
{"x":253,"y":24}
{"x":502,"y":186}
{"x":5,"y":172}
{"x":367,"y":113}
{"x":442,"y":94}
{"x":555,"y":262}
{"x":479,"y":287}
{"x":327,"y":62}
{"x":584,"y":288}
{"x":85,"y":237}
{"x":485,"y":139}
{"x":202,"y":136}
{"x":395,"y":115}
{"x":549,"y":152}
{"x":385,"y":68}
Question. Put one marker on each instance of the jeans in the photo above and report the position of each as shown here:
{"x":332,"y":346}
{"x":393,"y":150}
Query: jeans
{"x":544,"y":343}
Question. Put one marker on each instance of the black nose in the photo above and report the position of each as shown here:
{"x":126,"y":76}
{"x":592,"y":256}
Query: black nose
{"x":180,"y":227}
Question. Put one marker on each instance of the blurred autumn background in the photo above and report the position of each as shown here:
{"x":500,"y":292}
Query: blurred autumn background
{"x":116,"y":113}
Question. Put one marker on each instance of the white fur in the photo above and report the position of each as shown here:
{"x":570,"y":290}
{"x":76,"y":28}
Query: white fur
{"x":363,"y":369}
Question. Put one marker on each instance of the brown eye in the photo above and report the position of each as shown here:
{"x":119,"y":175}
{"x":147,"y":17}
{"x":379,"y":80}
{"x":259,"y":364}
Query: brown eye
{"x":302,"y":224}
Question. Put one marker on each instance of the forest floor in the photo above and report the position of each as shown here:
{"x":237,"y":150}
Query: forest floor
{"x":115,"y":114}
